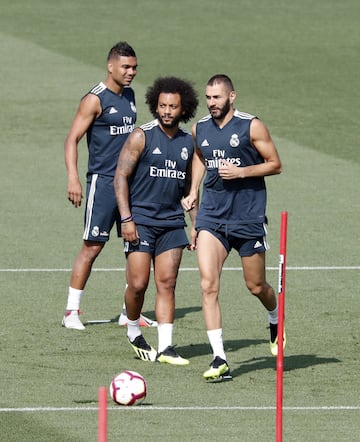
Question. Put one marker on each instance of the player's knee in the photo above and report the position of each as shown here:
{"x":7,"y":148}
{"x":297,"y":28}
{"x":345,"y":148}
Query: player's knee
{"x":209,"y":288}
{"x":167,"y":284}
{"x":256,"y":289}
{"x":90,"y":251}
{"x":137,"y":286}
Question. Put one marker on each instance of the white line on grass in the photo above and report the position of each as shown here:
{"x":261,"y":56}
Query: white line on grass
{"x":186,"y":269}
{"x":190,"y":408}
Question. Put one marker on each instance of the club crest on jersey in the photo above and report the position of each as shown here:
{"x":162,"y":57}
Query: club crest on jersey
{"x":184,"y":153}
{"x":133,"y":107}
{"x":234,"y":140}
{"x":95,"y":231}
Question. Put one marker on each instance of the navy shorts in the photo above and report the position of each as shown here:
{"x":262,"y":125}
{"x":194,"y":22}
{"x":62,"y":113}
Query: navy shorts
{"x":156,"y":240}
{"x":101,"y":209}
{"x":246,"y":239}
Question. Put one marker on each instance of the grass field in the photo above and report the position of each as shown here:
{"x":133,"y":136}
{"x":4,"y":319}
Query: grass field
{"x":295,"y":64}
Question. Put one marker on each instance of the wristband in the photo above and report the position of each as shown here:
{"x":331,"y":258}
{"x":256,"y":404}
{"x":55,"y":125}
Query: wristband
{"x":126,"y":219}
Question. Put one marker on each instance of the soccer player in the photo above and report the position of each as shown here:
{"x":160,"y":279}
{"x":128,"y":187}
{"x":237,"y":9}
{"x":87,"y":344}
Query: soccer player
{"x":107,"y":115}
{"x":235,"y":151}
{"x":150,"y":180}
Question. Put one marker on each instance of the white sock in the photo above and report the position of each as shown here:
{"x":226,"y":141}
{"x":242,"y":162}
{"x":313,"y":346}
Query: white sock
{"x":165,"y":333}
{"x":74,"y":296}
{"x":133,"y":329}
{"x":273,"y":316}
{"x":216,"y":342}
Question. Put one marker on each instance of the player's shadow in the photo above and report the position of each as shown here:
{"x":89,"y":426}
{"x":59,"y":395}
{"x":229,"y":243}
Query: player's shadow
{"x":292,"y":362}
{"x":182,"y":312}
{"x":195,"y":350}
{"x":241,"y":367}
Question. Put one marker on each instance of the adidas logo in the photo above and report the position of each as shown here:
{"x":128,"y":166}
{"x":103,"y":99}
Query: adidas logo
{"x":113,"y":111}
{"x":205,"y":143}
{"x":143,"y":354}
{"x":156,"y":151}
{"x":257,"y":245}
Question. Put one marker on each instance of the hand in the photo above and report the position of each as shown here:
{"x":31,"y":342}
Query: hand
{"x":193,"y":236}
{"x":129,"y":232}
{"x":228,"y":170}
{"x":188,"y":202}
{"x":74,"y":192}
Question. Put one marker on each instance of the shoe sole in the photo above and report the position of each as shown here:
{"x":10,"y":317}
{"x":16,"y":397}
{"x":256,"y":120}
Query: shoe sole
{"x":71,"y":328}
{"x":217,"y":373}
{"x":222,"y":378}
{"x":145,"y":322}
{"x":173,"y":361}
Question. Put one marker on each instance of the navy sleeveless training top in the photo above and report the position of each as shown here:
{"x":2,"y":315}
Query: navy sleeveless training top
{"x":159,"y":181}
{"x":110,"y":130}
{"x":238,"y":201}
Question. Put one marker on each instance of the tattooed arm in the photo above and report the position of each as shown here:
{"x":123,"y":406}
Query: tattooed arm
{"x":128,"y":159}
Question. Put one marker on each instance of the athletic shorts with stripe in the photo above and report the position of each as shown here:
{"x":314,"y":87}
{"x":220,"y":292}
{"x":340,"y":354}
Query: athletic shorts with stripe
{"x":246,"y":239}
{"x":156,"y":240}
{"x":101,"y":209}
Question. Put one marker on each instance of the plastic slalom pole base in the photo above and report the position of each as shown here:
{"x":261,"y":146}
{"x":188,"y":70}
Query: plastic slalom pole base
{"x":102,"y":415}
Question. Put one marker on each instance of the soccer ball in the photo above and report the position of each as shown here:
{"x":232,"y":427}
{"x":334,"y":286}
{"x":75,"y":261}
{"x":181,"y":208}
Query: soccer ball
{"x":128,"y":388}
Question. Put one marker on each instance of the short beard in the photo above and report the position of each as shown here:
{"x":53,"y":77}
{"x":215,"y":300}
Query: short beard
{"x":223,"y":111}
{"x":175,"y":122}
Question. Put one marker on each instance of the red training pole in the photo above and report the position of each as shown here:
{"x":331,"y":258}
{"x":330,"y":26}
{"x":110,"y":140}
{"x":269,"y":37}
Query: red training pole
{"x":281,"y":320}
{"x":102,"y":415}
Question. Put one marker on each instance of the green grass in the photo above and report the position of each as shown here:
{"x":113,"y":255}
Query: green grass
{"x":295,"y":65}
